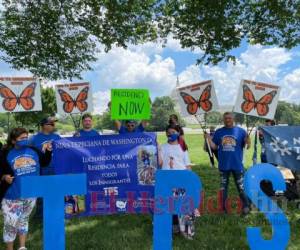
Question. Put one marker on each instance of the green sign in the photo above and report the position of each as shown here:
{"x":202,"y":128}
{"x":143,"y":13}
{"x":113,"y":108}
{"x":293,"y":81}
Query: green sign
{"x":130,"y":104}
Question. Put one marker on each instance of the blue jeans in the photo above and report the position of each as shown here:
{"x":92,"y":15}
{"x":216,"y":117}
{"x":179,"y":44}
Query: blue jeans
{"x":238,"y":177}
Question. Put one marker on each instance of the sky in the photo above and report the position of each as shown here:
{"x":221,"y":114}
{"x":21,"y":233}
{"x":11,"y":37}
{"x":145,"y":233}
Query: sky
{"x":156,"y":68}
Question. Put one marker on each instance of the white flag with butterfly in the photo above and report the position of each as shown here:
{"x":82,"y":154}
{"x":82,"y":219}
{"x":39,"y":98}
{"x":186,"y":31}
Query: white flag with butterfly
{"x":257,"y":99}
{"x":197,"y":98}
{"x":19,"y":94}
{"x":74,"y":98}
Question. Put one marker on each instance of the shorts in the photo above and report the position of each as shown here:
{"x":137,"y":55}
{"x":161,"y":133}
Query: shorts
{"x":16,"y":217}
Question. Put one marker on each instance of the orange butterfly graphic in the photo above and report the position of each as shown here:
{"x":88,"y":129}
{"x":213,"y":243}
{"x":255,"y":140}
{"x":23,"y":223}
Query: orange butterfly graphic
{"x":79,"y":102}
{"x":193,"y":105}
{"x":11,"y":100}
{"x":261,"y":106}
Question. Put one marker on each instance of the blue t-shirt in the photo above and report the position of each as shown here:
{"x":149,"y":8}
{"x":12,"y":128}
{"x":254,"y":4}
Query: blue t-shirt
{"x":140,"y":128}
{"x":83,"y":133}
{"x":38,"y":141}
{"x":230,"y":142}
{"x":23,"y":162}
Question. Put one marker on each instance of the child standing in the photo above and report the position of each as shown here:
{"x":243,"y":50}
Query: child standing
{"x":173,"y":157}
{"x":19,"y":159}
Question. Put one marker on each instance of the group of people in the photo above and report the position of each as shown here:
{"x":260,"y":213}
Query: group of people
{"x":32,"y":156}
{"x":28,"y":156}
{"x":228,"y":143}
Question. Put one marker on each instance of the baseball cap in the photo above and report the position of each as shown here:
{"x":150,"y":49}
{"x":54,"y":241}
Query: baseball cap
{"x":48,"y":120}
{"x":130,"y":121}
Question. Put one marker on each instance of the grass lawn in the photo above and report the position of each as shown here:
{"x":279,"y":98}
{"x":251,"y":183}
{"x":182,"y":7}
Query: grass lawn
{"x":130,"y":232}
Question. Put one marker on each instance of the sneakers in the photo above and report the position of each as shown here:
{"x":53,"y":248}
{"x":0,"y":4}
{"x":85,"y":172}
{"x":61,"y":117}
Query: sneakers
{"x":22,"y":248}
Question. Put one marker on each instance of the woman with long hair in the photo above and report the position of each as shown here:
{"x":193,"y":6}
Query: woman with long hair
{"x":174,"y":121}
{"x":18,"y":159}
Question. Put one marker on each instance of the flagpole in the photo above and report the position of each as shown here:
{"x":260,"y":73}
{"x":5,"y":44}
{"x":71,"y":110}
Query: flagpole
{"x":206,"y":140}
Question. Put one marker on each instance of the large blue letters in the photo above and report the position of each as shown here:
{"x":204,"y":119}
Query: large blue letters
{"x":279,"y":222}
{"x":53,"y":189}
{"x":166,"y":181}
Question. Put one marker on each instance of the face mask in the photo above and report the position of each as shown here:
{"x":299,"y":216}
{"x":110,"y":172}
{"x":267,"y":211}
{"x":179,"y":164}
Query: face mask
{"x":173,"y":137}
{"x":22,"y":143}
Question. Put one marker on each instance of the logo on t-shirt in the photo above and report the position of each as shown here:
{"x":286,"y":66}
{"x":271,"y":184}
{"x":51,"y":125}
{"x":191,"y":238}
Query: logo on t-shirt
{"x":24,"y":165}
{"x":228,"y":143}
{"x":24,"y":161}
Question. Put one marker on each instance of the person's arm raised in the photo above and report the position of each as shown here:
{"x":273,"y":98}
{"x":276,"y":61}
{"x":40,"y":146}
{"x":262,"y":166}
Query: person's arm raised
{"x":144,"y":123}
{"x":118,"y":124}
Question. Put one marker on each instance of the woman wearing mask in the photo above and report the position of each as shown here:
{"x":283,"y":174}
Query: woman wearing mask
{"x":173,"y":120}
{"x":19,"y":159}
{"x":173,"y":157}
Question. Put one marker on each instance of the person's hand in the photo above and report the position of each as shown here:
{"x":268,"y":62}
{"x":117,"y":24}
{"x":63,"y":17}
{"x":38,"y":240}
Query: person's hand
{"x":248,"y":142}
{"x":206,"y":135}
{"x":8,"y":178}
{"x":47,"y":146}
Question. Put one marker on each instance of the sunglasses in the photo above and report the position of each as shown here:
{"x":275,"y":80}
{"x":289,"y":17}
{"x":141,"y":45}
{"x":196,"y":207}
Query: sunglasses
{"x":50,"y":124}
{"x":130,"y":125}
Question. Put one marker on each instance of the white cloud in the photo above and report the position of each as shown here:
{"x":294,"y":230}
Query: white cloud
{"x":174,"y":45}
{"x":127,"y":68}
{"x":190,"y":75}
{"x":291,"y":87}
{"x":148,"y":48}
{"x":100,"y":101}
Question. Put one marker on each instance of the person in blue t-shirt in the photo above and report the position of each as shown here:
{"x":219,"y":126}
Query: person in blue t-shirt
{"x":87,"y":127}
{"x":130,"y":126}
{"x":18,"y":160}
{"x":230,"y":142}
{"x":46,"y":135}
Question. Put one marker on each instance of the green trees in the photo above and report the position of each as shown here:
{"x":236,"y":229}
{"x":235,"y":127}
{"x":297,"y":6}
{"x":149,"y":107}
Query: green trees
{"x":287,"y":113}
{"x":162,"y":108}
{"x":216,"y":27}
{"x":59,"y":39}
